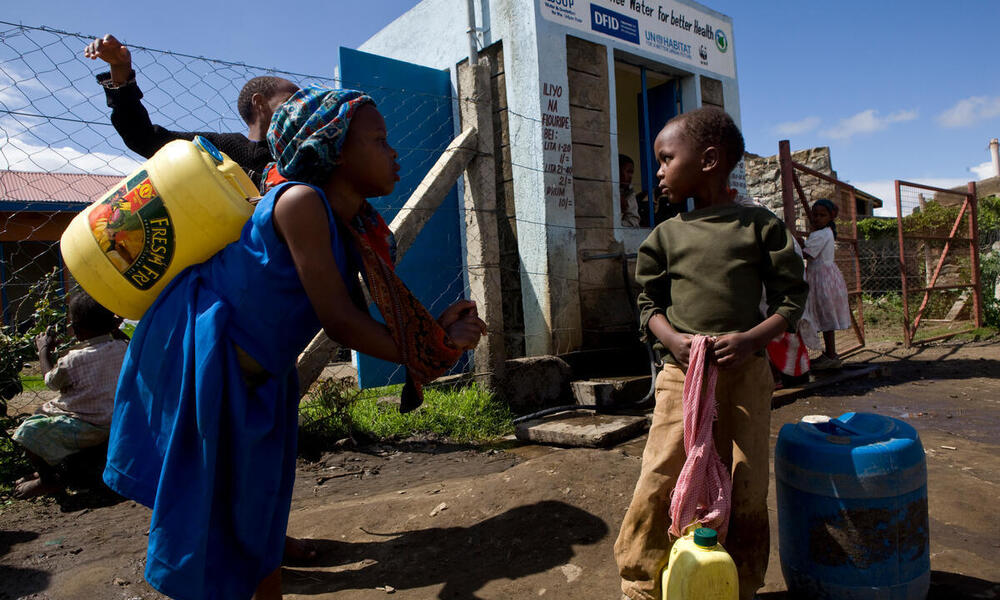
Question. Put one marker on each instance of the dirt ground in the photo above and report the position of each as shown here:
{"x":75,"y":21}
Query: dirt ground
{"x":520,"y":521}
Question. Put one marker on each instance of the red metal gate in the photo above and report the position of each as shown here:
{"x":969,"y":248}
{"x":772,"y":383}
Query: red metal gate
{"x":939,"y":260}
{"x":796,"y":179}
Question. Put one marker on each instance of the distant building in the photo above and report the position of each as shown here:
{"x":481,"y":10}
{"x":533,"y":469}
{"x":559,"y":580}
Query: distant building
{"x":763,"y":176}
{"x":35,"y":208}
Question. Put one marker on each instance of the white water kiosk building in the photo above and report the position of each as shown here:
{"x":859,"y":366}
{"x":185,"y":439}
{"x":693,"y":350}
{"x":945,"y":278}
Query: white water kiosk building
{"x":575,"y":83}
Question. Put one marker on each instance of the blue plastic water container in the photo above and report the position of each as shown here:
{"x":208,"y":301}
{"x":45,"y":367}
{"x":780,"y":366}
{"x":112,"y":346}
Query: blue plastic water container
{"x":852,"y":508}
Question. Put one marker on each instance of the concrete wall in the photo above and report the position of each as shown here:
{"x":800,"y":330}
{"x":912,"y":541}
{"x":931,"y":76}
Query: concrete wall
{"x":510,"y":262}
{"x":606,"y":316}
{"x":432,"y":34}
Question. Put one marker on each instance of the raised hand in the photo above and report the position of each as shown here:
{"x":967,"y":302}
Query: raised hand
{"x":113,"y":52}
{"x":110,"y":50}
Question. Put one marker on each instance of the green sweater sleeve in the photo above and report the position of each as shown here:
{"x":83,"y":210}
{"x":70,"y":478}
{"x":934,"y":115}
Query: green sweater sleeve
{"x":652,"y":277}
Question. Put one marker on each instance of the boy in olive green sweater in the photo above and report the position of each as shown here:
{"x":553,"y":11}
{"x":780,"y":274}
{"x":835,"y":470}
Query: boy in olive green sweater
{"x":701,"y":272}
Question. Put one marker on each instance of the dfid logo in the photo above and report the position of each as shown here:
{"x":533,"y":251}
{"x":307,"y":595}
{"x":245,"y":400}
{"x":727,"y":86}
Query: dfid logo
{"x":721,"y":42}
{"x":614,"y":24}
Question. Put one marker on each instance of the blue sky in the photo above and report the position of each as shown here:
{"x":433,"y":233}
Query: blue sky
{"x":897,"y":90}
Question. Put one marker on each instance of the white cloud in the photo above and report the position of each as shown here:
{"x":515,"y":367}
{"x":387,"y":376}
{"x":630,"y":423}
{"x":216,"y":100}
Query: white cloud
{"x":885,"y":190}
{"x":797,"y":127}
{"x":18,"y":155}
{"x":970,"y":110}
{"x":867,"y":121}
{"x":983,"y":170}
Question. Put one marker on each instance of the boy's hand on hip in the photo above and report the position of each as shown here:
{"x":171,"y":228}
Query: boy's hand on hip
{"x":733,"y":349}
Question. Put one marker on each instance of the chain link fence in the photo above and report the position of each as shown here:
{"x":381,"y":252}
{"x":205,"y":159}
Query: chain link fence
{"x":59,"y":153}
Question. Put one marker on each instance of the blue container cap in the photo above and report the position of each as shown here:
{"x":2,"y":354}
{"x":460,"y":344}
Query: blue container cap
{"x":209,"y":147}
{"x":853,"y":455}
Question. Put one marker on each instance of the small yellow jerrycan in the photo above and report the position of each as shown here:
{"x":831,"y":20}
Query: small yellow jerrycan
{"x":183,"y":205}
{"x":700,"y":569}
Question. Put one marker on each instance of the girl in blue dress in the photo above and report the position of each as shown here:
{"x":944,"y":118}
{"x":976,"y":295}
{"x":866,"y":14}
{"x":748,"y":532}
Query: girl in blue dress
{"x":205,"y":419}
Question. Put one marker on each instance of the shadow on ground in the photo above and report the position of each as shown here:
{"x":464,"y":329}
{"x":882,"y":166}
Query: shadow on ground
{"x":913,"y":369}
{"x":17,"y":582}
{"x":944,"y":586}
{"x":522,"y":541}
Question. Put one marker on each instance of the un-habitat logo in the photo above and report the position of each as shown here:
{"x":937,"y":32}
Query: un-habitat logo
{"x":721,"y":42}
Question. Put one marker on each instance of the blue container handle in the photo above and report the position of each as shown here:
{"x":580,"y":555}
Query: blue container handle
{"x":838,"y":423}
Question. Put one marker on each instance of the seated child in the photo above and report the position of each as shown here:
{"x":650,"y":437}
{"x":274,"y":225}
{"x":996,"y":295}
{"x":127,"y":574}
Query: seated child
{"x":205,"y":420}
{"x":85,"y":378}
{"x":701,"y":272}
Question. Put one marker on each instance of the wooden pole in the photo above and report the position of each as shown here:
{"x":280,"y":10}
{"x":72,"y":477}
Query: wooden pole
{"x":482,"y":243}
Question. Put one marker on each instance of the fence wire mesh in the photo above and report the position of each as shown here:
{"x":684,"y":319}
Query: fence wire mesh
{"x":938,"y":259}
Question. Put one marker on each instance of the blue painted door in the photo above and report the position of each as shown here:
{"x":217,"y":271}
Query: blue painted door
{"x":417,"y":106}
{"x":662,"y":108}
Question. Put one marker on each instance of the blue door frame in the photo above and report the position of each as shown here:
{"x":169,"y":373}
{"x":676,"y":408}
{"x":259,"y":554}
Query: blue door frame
{"x":656,"y":106}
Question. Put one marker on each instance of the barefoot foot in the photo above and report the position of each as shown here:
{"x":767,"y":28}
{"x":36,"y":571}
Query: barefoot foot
{"x":35,"y":487}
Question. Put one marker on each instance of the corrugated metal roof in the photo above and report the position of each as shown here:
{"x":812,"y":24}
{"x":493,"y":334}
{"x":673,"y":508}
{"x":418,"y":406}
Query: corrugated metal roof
{"x":28,"y":186}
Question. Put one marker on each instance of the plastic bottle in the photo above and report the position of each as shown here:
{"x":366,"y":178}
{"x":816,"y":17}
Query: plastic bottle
{"x":700,"y":569}
{"x":182,"y":206}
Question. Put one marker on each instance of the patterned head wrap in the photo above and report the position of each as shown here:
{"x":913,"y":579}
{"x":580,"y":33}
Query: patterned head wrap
{"x":308,"y":130}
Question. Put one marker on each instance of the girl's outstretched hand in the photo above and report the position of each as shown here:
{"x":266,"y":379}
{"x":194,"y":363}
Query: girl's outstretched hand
{"x":461,"y":321}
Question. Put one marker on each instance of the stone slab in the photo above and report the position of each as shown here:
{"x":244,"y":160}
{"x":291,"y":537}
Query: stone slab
{"x":582,"y":429}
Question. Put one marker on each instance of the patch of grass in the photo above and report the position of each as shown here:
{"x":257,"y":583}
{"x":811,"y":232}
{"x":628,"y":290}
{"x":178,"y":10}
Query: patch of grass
{"x":883,"y":311}
{"x":338,"y":409}
{"x":33,"y":383}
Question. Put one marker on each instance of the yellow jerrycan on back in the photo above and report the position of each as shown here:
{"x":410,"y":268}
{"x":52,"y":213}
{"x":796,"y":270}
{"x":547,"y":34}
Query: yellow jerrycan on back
{"x":183,"y":205}
{"x":700,"y":569}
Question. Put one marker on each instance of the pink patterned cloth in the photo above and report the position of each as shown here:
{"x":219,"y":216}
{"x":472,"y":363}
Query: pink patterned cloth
{"x":704,"y":488}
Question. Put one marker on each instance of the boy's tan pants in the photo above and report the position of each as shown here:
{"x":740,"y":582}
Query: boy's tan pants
{"x":741,"y":436}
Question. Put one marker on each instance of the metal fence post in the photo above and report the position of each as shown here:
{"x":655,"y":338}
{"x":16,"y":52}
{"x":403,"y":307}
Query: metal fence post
{"x":787,"y":184}
{"x":902,"y":266}
{"x":977,"y":288}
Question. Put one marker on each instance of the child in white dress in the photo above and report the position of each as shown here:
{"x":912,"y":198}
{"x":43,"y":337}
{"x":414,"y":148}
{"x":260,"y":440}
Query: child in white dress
{"x":827,"y":304}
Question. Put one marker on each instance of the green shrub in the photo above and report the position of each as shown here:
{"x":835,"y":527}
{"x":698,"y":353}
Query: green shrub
{"x":989,"y":268}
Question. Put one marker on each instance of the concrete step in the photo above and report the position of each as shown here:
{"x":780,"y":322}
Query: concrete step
{"x":582,"y":429}
{"x":608,"y":392}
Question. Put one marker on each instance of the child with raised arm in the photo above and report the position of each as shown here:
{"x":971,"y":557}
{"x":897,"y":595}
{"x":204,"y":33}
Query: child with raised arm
{"x":205,"y":421}
{"x":256,"y":103}
{"x":701,"y":273}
